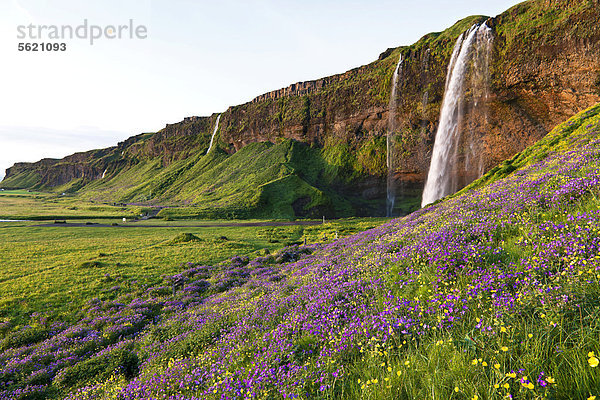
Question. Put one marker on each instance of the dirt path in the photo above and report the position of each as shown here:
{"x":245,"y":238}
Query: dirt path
{"x":217,"y":225}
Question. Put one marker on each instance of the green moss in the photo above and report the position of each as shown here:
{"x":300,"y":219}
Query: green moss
{"x":224,"y":185}
{"x":443,"y":42}
{"x":290,"y":197}
{"x":371,"y":156}
{"x":340,"y":159}
{"x":536,"y":24}
{"x":559,"y":139}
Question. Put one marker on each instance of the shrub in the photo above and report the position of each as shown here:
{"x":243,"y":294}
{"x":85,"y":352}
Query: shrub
{"x":123,"y":360}
{"x":92,"y":264}
{"x":24,"y":337}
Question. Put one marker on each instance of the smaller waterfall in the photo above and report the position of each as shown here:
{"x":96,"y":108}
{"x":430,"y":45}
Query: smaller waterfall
{"x":391,"y":166}
{"x":212,"y":138}
{"x":104,"y":173}
{"x":470,"y":56}
{"x":425,"y":98}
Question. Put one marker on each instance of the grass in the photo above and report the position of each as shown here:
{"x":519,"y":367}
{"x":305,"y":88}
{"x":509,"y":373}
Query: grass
{"x":222,"y":185}
{"x":489,"y":293}
{"x":56,"y":270}
{"x":32,"y":205}
{"x":533,"y":22}
{"x":261,"y":180}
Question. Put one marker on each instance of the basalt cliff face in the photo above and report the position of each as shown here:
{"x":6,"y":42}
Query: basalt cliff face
{"x":544,"y":67}
{"x":540,"y":74}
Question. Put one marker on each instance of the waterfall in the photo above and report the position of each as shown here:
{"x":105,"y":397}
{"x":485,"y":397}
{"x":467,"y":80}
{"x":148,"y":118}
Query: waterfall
{"x":104,"y":173}
{"x":214,"y":133}
{"x":393,"y":104}
{"x":480,"y":81}
{"x":470,"y":56}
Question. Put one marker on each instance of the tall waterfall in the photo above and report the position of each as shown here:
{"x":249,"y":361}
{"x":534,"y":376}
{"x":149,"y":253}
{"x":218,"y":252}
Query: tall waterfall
{"x":391,"y":166}
{"x":214,"y":133}
{"x":480,"y":81}
{"x":469,"y":57}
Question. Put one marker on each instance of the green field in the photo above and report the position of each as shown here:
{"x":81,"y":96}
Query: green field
{"x":55,"y":270}
{"x":27,"y":204}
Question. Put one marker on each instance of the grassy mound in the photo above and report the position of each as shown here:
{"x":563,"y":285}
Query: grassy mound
{"x":184,"y":238}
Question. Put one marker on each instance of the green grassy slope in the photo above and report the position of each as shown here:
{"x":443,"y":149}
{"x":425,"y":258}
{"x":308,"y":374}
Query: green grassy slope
{"x":491,"y":294}
{"x":57,"y":270}
{"x":266,"y":180}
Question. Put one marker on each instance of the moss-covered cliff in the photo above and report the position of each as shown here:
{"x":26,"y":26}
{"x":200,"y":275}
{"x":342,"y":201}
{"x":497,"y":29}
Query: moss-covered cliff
{"x":544,"y":67}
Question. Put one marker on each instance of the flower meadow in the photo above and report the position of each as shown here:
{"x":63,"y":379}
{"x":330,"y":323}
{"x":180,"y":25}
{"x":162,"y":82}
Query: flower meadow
{"x":493,"y":293}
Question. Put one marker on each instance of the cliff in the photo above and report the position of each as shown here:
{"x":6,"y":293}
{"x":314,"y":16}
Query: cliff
{"x":544,"y":67}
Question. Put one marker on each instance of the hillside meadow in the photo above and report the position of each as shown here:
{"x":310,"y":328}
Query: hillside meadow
{"x":53,"y":269}
{"x":489,"y":294}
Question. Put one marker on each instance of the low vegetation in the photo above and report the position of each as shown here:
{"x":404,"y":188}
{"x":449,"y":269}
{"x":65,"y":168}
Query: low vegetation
{"x":488,"y":294}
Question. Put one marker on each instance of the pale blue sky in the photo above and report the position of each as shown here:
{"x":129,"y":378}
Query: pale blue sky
{"x":199,"y":58}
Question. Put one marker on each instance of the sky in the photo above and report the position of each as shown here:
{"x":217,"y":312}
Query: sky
{"x":191,"y":58}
